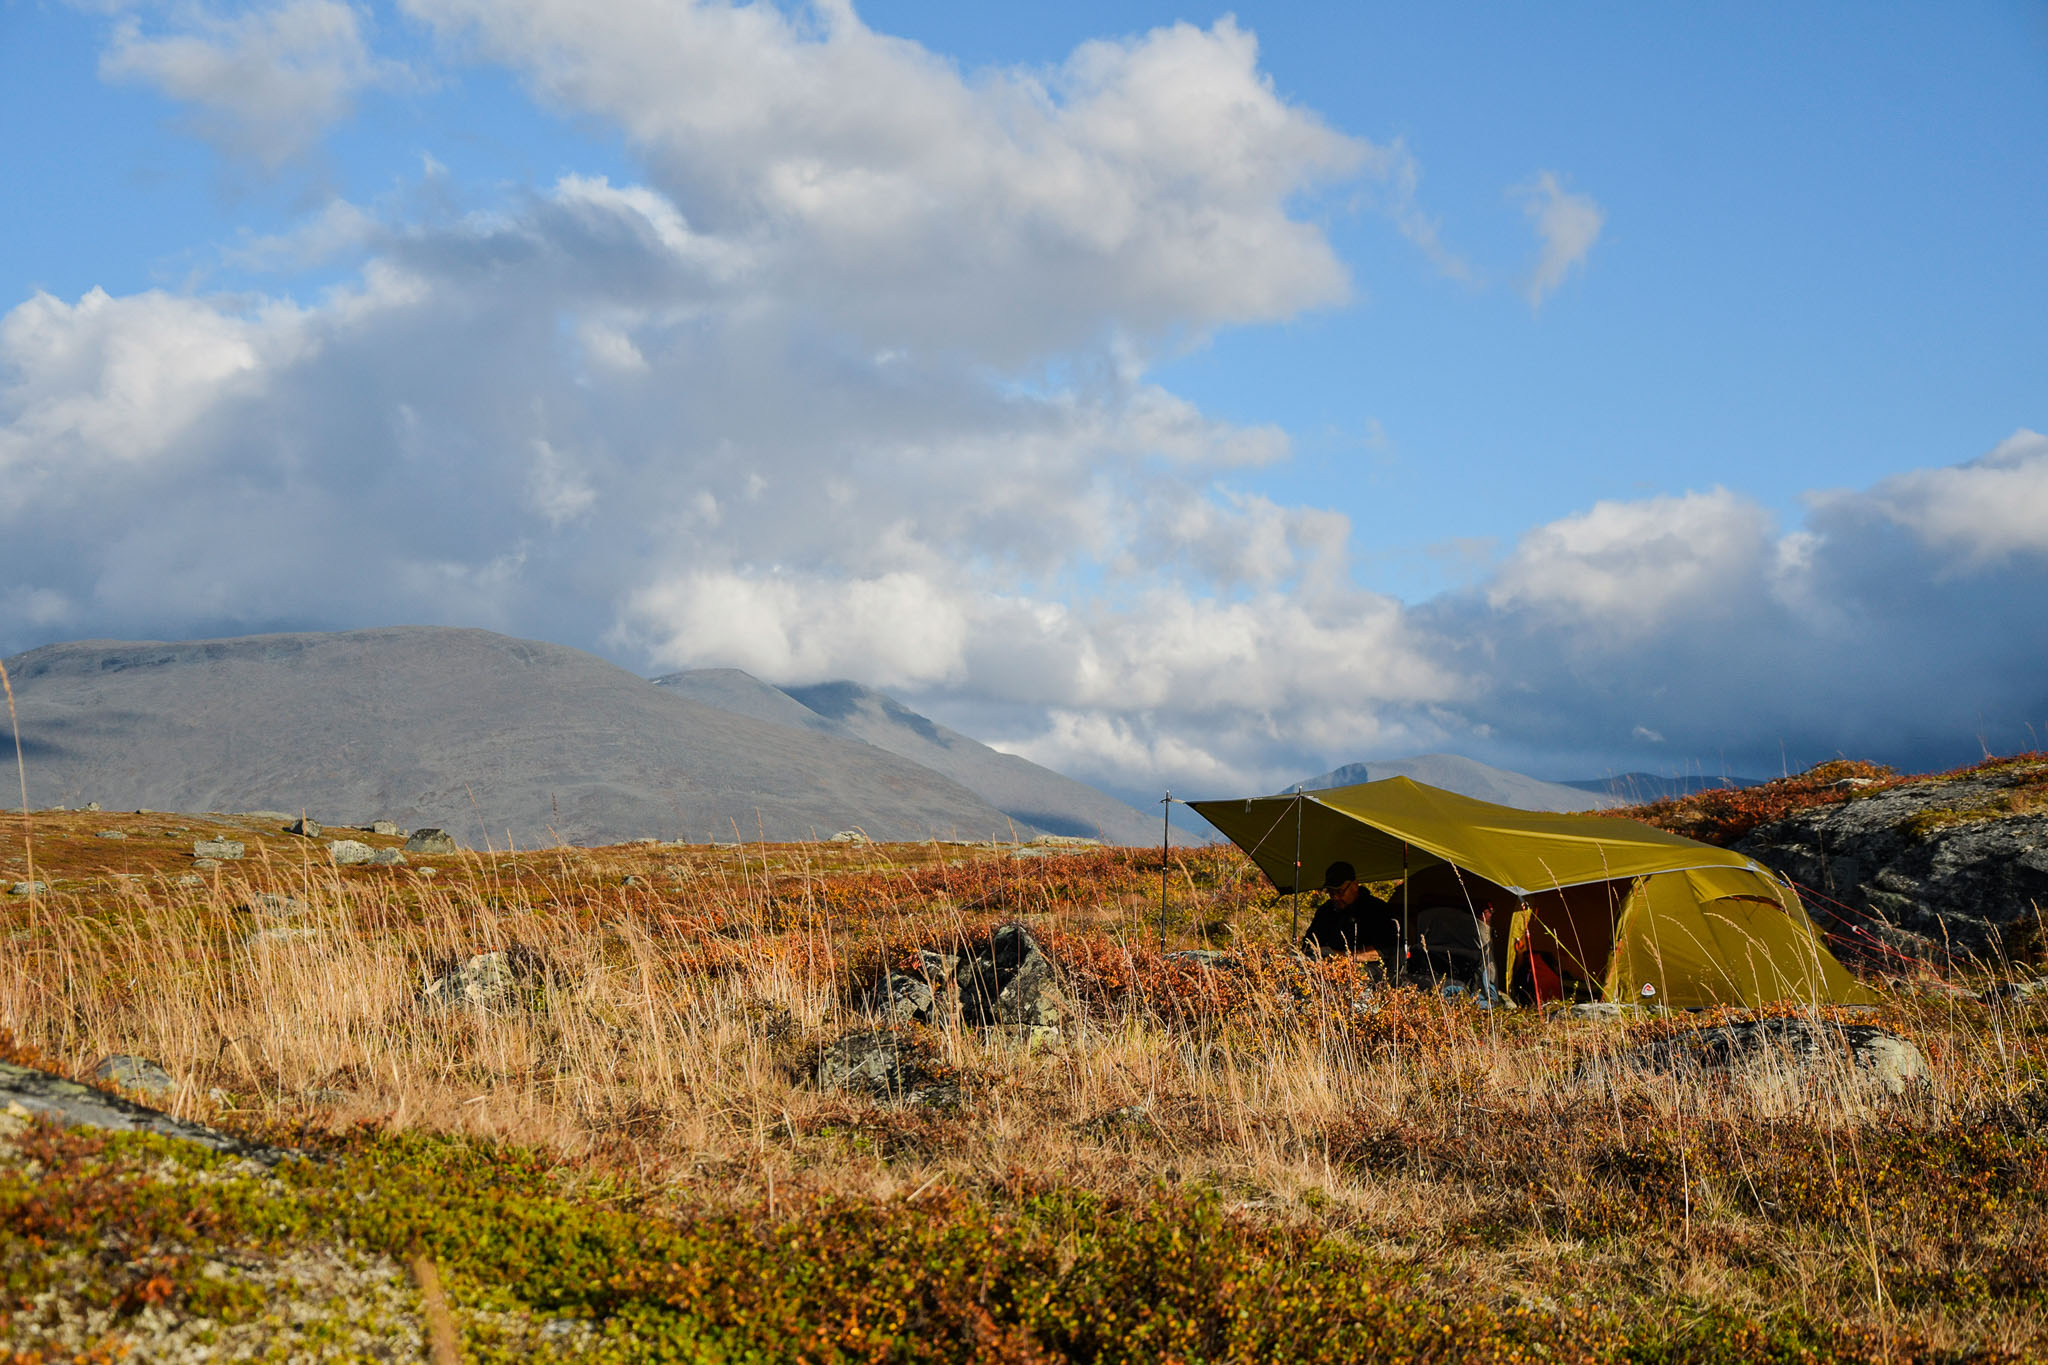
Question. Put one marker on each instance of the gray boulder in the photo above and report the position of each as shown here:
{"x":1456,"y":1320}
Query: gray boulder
{"x":384,"y":827}
{"x":349,"y":852}
{"x":112,"y":834}
{"x":902,"y":999}
{"x":431,"y":841}
{"x":1011,"y":982}
{"x":219,"y":850}
{"x":1936,"y":870}
{"x":302,"y":826}
{"x":135,"y":1073}
{"x":487,"y":981}
{"x":27,"y":1091}
{"x":1885,"y":1060}
{"x":386,"y":857}
{"x":272,"y":905}
{"x":885,"y":1066}
{"x":29,"y":889}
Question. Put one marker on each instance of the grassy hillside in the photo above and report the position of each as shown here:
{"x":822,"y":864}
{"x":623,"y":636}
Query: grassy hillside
{"x":629,"y":1160}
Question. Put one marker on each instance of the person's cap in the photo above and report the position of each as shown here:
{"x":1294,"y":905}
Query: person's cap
{"x":1336,"y":874}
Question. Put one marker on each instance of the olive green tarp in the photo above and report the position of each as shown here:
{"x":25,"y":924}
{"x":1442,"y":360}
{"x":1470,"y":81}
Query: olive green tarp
{"x":1628,"y":906}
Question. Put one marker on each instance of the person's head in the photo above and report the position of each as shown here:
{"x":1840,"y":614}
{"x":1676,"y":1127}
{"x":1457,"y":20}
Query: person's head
{"x":1340,"y":879}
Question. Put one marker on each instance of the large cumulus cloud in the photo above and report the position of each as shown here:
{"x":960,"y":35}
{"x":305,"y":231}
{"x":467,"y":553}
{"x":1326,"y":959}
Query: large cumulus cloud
{"x":855,"y":383}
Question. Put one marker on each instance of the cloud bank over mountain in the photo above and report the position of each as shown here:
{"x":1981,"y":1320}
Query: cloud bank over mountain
{"x":856,"y":382}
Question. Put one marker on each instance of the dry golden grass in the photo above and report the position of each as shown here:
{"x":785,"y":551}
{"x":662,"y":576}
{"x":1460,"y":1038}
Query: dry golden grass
{"x":665,"y":1036}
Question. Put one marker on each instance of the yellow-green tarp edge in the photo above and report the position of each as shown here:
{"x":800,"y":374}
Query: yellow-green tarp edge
{"x":1374,"y":826}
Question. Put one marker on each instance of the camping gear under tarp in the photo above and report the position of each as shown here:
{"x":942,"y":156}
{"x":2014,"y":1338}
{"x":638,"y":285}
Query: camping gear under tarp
{"x":1624,"y":910}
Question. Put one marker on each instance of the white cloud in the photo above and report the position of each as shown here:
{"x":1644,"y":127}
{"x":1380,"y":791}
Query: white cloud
{"x":266,"y":83}
{"x":1984,"y":512}
{"x":1142,"y":186}
{"x":1567,"y":225}
{"x":1628,"y":563}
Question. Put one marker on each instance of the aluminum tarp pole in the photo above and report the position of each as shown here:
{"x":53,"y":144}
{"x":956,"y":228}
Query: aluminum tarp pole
{"x":1165,"y":844}
{"x":1296,"y":931}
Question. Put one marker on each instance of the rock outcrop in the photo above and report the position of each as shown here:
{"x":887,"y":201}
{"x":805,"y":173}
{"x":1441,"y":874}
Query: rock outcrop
{"x":1799,"y":1047}
{"x":27,"y":1092}
{"x":1949,"y":868}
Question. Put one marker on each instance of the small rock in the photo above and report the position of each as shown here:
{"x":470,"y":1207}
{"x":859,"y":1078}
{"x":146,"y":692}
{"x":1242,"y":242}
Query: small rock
{"x":1206,"y":957}
{"x":431,"y":841}
{"x":2016,"y":992}
{"x":851,"y":836}
{"x":384,"y":827}
{"x":303,"y":826}
{"x":386,"y":857}
{"x":324,"y":1097}
{"x":90,"y":805}
{"x":220,"y":850}
{"x":206,"y":864}
{"x":1597,"y":1009}
{"x":349,"y":852}
{"x":428,"y":873}
{"x":135,"y":1073}
{"x":190,"y":880}
{"x":282,"y":933}
{"x":1125,"y":1118}
{"x":938,"y":968}
{"x":1066,"y":841}
{"x":630,"y":880}
{"x":902,"y":999}
{"x":271,"y":904}
{"x":29,"y":889}
{"x":485,"y":981}
{"x":1010,"y":981}
{"x":112,"y":834}
{"x":884,"y":1065}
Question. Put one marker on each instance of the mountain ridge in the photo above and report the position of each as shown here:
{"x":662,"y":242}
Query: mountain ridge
{"x":477,"y":732}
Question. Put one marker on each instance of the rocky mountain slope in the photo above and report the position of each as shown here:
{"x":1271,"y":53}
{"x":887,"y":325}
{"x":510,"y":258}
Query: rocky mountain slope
{"x":1468,"y":777}
{"x":1031,"y":795}
{"x":486,"y":735}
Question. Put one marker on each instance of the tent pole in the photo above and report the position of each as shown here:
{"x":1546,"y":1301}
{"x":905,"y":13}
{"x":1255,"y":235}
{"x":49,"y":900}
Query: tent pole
{"x":1165,"y":844}
{"x":1404,"y":909}
{"x":1295,"y":931}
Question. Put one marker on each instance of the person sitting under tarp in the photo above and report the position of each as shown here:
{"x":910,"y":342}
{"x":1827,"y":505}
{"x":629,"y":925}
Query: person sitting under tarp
{"x":1352,"y":919}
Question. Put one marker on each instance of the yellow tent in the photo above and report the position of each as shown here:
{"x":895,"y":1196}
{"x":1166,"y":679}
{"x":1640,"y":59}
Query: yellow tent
{"x":1627,"y":911}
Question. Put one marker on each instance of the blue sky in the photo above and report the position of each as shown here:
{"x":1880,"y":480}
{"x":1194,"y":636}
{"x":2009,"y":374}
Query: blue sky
{"x":1166,"y":403}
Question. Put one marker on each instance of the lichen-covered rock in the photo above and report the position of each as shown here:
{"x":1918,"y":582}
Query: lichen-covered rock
{"x":303,"y":826}
{"x":884,"y":1065}
{"x":386,"y":857}
{"x":1011,"y":982}
{"x":135,"y":1073}
{"x":1891,"y":1063}
{"x":217,"y":850}
{"x":29,"y":889}
{"x":384,"y":827}
{"x":1936,"y":870}
{"x":903,"y":999}
{"x":349,"y":852}
{"x":488,"y":981}
{"x":27,"y":1091}
{"x":436,"y":841}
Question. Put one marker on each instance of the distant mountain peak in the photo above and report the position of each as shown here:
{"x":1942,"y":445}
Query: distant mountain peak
{"x":1469,"y":777}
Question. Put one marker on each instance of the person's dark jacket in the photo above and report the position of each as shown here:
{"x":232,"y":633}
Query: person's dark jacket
{"x":1368,"y":922}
